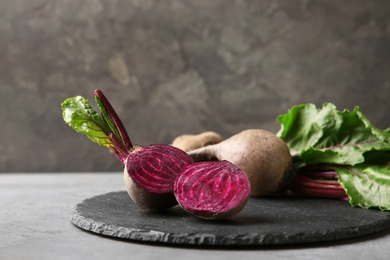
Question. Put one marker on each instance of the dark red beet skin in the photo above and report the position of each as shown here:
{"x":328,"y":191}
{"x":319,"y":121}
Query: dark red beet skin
{"x":212,"y":190}
{"x":156,"y":167}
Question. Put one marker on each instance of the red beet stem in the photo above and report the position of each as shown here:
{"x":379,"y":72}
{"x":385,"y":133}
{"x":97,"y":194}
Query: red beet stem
{"x":119,"y":149}
{"x":319,"y":192}
{"x":302,"y":180}
{"x":317,"y":183}
{"x":319,"y":171}
{"x":115,"y":119}
{"x":118,"y":155}
{"x":321,"y":174}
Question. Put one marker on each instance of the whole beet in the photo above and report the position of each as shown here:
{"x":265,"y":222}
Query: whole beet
{"x":263,"y":156}
{"x":188,"y":142}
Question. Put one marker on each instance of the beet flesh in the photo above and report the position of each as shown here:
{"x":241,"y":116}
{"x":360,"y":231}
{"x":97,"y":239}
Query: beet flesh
{"x":150,"y":173}
{"x":212,"y":190}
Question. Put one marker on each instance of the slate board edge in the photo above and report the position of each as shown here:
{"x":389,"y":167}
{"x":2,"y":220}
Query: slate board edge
{"x":204,"y":239}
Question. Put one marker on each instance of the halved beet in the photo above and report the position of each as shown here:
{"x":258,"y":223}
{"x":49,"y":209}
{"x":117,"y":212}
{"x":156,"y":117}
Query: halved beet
{"x":212,"y":190}
{"x":150,"y":173}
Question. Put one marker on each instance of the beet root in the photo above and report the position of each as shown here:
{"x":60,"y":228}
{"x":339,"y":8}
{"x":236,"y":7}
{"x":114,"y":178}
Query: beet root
{"x":146,"y":200}
{"x":264,"y":157}
{"x":212,"y":190}
{"x":189,"y":142}
{"x":150,"y":173}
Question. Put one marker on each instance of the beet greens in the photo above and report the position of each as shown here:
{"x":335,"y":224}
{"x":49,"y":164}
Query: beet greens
{"x":338,"y":154}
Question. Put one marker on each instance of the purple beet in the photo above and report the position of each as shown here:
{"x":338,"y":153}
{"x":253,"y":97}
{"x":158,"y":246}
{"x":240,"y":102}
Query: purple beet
{"x":150,"y":171}
{"x":212,"y":190}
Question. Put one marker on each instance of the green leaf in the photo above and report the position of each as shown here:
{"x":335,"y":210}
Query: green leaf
{"x":78,"y":114}
{"x":367,"y":185}
{"x":327,"y":135}
{"x":299,"y":127}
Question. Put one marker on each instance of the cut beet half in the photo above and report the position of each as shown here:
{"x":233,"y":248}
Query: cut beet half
{"x":212,"y":190}
{"x":156,"y":167}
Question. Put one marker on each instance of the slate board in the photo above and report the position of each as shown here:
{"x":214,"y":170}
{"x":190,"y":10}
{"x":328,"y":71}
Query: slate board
{"x":264,"y":221}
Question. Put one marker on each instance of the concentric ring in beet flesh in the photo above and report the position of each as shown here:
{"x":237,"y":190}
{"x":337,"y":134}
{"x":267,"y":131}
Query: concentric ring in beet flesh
{"x":156,"y":167}
{"x":210,"y":189}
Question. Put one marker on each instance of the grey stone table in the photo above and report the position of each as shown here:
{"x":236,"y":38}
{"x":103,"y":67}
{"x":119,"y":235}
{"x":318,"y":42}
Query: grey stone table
{"x":34,"y":224}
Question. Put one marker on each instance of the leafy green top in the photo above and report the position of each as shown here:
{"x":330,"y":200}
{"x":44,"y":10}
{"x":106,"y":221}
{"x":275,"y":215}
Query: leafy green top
{"x":105,"y":129}
{"x":78,"y":114}
{"x":346,"y":142}
{"x":330,"y":136}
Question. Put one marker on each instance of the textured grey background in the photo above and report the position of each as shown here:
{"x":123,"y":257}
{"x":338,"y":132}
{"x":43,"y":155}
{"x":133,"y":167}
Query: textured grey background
{"x":174,"y":67}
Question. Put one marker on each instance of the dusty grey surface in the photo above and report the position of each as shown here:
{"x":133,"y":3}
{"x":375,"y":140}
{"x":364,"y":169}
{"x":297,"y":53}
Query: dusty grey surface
{"x":279,"y":220}
{"x":34,"y":224}
{"x":173,"y":67}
